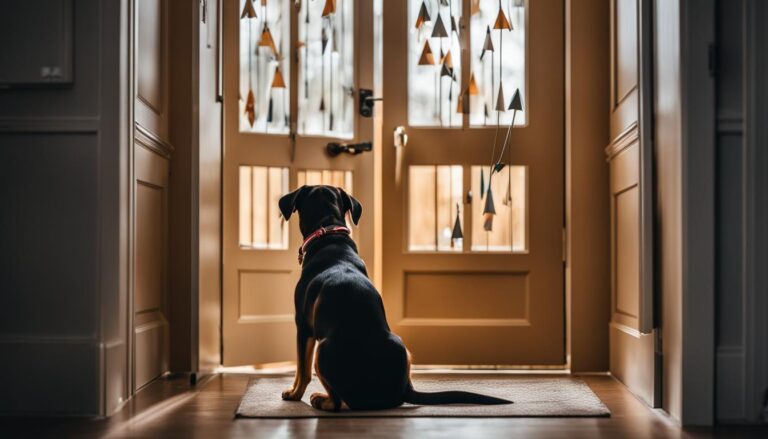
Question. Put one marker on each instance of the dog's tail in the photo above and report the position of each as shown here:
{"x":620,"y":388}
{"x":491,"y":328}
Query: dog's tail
{"x":450,"y":397}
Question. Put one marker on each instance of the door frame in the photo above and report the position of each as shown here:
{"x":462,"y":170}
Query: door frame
{"x":697,"y":108}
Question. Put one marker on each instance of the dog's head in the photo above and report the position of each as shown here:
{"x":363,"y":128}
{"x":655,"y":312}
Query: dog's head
{"x":320,"y":206}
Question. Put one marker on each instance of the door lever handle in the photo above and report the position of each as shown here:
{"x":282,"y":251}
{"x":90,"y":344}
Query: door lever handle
{"x":333,"y":148}
{"x":366,"y":102}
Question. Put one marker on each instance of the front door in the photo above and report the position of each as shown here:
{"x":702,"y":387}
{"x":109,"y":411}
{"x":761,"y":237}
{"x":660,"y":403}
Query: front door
{"x":490,"y":289}
{"x":292,"y":75}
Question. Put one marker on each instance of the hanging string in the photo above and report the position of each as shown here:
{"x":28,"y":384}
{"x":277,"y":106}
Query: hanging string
{"x":342,"y":56}
{"x":330,"y":71}
{"x":250,"y":63}
{"x":265,"y":11}
{"x":450,"y":83}
{"x":498,"y":112}
{"x":306,"y":52}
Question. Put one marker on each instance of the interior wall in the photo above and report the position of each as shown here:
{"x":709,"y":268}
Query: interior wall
{"x":587,"y":207}
{"x":63,"y":229}
{"x":741,"y":302}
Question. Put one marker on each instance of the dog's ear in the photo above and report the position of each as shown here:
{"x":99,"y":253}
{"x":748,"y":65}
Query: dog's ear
{"x":290,"y":202}
{"x":350,"y":203}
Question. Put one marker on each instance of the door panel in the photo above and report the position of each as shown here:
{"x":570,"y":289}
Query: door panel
{"x":629,"y":155}
{"x":263,"y":162}
{"x":151,"y":281}
{"x":489,"y":290}
{"x":151,"y":162}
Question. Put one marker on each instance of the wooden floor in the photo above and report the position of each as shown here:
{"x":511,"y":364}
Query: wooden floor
{"x":169,"y":408}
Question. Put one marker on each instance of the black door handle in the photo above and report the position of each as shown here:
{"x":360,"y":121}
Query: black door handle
{"x":335,"y":149}
{"x":367,"y":100}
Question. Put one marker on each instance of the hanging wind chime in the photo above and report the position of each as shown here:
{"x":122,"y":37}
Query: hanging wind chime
{"x":250,"y":102}
{"x":489,"y":210}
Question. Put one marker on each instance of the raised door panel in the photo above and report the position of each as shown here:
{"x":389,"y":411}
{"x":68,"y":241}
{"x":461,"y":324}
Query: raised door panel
{"x":624,"y":66}
{"x":151,"y":67}
{"x":150,"y":266}
{"x":625,"y":204}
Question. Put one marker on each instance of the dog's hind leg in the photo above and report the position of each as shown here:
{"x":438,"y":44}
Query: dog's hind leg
{"x":306,"y":348}
{"x":324,"y":401}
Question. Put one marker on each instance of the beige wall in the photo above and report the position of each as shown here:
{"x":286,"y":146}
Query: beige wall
{"x":63,"y":229}
{"x":588,"y":262}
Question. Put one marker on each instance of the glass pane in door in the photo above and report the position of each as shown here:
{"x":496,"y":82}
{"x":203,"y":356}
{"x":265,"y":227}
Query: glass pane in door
{"x":497,"y":44}
{"x":260,"y":223}
{"x":509,"y":231}
{"x":434,"y":63}
{"x":264,"y":98}
{"x":326,"y":56}
{"x":434,"y":203}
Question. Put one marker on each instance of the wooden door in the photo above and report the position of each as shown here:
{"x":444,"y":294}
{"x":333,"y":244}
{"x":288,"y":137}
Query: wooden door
{"x":629,"y":154}
{"x":491,"y":298}
{"x":319,"y":53}
{"x":151,"y":162}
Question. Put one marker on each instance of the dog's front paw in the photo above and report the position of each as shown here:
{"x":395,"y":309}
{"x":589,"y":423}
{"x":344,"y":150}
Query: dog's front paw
{"x":291,"y":395}
{"x":321,"y":401}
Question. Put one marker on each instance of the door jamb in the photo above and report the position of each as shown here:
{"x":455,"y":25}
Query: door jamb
{"x":697,"y":31}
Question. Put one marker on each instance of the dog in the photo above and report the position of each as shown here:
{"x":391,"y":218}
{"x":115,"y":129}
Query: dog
{"x":340,"y":318}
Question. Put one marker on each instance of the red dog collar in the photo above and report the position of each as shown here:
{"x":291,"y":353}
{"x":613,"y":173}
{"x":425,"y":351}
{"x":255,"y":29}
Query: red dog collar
{"x":318,"y":234}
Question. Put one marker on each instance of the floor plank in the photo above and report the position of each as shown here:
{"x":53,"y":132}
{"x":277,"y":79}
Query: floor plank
{"x":169,"y":408}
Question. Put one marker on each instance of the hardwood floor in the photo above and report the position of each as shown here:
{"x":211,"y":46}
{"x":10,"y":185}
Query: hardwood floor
{"x":169,"y":408}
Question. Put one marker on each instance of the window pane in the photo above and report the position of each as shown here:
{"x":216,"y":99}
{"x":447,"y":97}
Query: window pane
{"x":326,"y":68}
{"x":261,"y":225}
{"x":504,"y":67}
{"x":509,"y":188}
{"x":434,"y":195}
{"x":265,"y":66}
{"x":434,"y":62}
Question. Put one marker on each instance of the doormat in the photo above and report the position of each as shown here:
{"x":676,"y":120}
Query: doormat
{"x":532,"y":397}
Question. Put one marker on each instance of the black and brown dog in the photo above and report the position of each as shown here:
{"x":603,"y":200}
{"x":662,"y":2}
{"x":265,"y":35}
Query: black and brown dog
{"x":358,"y":359}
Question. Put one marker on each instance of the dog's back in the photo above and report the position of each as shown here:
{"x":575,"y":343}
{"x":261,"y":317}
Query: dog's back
{"x":357,"y":354}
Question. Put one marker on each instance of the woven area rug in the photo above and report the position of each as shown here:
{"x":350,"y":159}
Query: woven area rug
{"x":532,"y":397}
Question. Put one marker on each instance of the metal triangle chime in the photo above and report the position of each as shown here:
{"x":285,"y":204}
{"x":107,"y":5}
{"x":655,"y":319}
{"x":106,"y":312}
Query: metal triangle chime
{"x":248,"y":10}
{"x":489,"y":210}
{"x":329,"y":8}
{"x":423,"y":16}
{"x":267,"y":40}
{"x":250,"y":101}
{"x":456,"y":233}
{"x":427,"y":58}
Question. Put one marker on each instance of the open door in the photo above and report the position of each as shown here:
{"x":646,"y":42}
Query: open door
{"x":490,"y":297}
{"x":292,"y":75}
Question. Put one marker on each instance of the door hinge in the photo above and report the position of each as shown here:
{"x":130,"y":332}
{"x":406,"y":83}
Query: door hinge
{"x":712,"y":59}
{"x":565,"y":245}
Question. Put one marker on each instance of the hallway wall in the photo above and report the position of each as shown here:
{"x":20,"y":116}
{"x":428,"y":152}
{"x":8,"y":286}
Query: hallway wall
{"x":741,"y":346}
{"x":62,"y":264}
